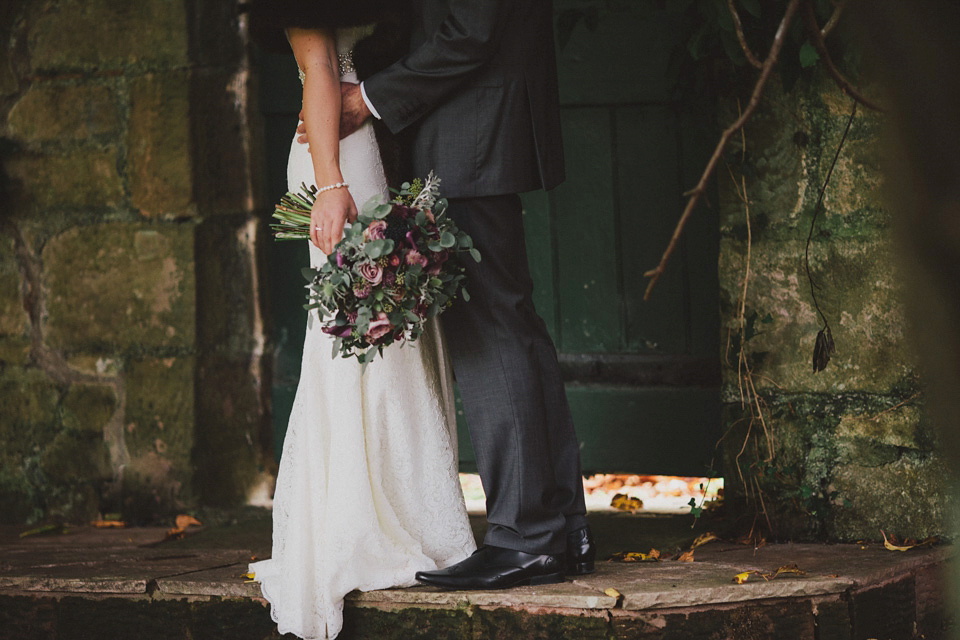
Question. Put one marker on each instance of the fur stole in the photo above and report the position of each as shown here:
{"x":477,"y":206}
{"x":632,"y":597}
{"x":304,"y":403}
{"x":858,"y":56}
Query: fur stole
{"x":388,"y":43}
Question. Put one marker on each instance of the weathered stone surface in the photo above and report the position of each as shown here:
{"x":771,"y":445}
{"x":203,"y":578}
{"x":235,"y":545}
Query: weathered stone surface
{"x":85,"y":178}
{"x":14,"y":350}
{"x":904,"y":498}
{"x":88,"y":407}
{"x":158,"y":143}
{"x":59,"y":112}
{"x":888,"y":611}
{"x":158,"y":432}
{"x":103,"y":34}
{"x":13,"y":317}
{"x":28,"y":419}
{"x":93,"y":364}
{"x":119,"y":286}
{"x":858,"y":291}
{"x":901,"y":427}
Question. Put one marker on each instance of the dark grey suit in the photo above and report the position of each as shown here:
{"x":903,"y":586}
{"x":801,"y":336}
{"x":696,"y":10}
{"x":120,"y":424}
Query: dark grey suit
{"x":479,"y":93}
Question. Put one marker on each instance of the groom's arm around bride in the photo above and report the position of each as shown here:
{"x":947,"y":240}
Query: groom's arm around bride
{"x":478,"y":94}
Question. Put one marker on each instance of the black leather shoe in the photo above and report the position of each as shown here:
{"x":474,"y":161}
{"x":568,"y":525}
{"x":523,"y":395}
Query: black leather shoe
{"x":581,"y":552}
{"x":496,"y":568}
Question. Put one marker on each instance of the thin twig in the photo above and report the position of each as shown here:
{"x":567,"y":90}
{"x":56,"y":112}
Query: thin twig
{"x":751,"y":58}
{"x":896,"y":406}
{"x":816,"y":212}
{"x":816,"y":37}
{"x":655,"y":273}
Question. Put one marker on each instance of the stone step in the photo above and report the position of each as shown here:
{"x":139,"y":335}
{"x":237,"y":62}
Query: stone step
{"x":119,"y":584}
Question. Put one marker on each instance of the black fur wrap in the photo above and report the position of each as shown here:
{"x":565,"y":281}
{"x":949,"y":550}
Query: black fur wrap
{"x":388,"y":43}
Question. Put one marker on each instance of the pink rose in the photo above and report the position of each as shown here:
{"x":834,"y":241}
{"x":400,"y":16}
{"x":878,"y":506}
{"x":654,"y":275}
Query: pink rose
{"x":372,"y":272}
{"x":378,"y":328}
{"x":375,"y":231}
{"x":394,"y":260}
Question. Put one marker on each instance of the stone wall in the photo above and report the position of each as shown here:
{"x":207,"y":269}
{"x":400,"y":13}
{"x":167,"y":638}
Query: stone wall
{"x":130,"y":331}
{"x":845,"y":452}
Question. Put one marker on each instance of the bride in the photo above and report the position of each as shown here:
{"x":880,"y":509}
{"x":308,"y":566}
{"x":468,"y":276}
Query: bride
{"x":367,"y":492}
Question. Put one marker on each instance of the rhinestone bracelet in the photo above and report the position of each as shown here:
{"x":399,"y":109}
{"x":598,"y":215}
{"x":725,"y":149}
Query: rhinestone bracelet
{"x":331,"y":187}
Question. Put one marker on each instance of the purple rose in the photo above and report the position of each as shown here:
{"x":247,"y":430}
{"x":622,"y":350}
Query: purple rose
{"x":378,"y":328}
{"x":339,"y":332}
{"x":339,"y":259}
{"x":375,"y":231}
{"x":372,"y":272}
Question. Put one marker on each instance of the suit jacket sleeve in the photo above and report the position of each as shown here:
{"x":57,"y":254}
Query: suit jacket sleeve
{"x":410,"y":88}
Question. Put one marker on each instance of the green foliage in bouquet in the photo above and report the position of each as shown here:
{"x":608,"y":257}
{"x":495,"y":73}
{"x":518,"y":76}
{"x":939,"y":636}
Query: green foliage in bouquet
{"x":391,"y":271}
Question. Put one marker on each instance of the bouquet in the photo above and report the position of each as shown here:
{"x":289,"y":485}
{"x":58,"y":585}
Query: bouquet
{"x":390,"y":272}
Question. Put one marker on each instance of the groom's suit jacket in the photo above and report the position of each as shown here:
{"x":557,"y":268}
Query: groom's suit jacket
{"x":478,"y":91}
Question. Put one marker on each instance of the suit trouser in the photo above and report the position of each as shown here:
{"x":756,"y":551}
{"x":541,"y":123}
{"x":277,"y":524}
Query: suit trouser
{"x":513,"y":397}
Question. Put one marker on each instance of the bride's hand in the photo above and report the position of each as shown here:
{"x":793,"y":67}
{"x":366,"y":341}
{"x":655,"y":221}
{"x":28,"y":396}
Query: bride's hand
{"x":331,"y":210}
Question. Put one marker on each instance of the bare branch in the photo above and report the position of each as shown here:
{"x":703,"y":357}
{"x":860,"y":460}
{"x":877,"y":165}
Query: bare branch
{"x":747,"y":51}
{"x":834,"y":19}
{"x":694,"y":197}
{"x":816,"y":37}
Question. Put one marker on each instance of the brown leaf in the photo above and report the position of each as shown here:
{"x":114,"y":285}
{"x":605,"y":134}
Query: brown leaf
{"x":823,"y":348}
{"x":635,"y":556}
{"x":703,"y":539}
{"x":790,"y":568}
{"x":109,"y":524}
{"x":623,"y":502}
{"x":686,"y":556}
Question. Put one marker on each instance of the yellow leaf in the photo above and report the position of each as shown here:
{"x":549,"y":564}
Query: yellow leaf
{"x":703,"y":539}
{"x":623,"y":502}
{"x":740,"y":578}
{"x":892,"y":547}
{"x":249,"y":576}
{"x":613,"y":593}
{"x":184,"y":521}
{"x":686,"y":556}
{"x":790,"y":568}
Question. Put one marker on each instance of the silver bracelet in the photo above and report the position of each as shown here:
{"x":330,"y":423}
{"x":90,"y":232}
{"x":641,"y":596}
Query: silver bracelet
{"x":331,"y":187}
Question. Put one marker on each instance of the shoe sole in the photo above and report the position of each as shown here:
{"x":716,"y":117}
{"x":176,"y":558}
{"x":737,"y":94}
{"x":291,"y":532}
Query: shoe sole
{"x":550,"y":578}
{"x":580,"y":569}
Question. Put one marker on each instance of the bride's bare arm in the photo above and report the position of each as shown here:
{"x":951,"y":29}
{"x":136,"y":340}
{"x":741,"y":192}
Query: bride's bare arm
{"x":316,"y":54}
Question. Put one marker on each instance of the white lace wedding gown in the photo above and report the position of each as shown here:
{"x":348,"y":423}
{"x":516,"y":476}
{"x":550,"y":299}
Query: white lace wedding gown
{"x":367,"y":493}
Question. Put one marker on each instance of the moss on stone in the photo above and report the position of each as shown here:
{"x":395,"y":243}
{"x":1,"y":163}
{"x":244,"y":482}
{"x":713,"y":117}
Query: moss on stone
{"x":102,"y":34}
{"x":158,"y":143}
{"x":115,"y":297}
{"x":84,"y":178}
{"x":65,"y":112}
{"x":13,"y":317}
{"x":88,"y":407}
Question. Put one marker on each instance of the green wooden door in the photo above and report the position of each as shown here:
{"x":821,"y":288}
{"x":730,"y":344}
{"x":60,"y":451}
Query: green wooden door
{"x":642,"y":378}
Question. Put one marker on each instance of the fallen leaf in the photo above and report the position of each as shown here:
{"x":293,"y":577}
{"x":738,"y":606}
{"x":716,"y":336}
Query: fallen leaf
{"x":613,"y":593}
{"x":249,"y":576}
{"x":180,"y":531}
{"x":703,"y":539}
{"x":109,"y":524}
{"x":686,"y":556}
{"x":623,"y":502}
{"x":740,"y":578}
{"x":635,"y":556}
{"x":47,"y":529}
{"x":892,"y":547}
{"x":790,"y":568}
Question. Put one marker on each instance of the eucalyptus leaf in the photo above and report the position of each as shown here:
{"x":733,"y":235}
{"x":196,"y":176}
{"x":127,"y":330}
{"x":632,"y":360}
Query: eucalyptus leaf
{"x":447,"y":240}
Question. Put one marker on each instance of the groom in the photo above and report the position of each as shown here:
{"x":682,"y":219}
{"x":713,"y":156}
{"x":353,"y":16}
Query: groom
{"x":478,"y":92}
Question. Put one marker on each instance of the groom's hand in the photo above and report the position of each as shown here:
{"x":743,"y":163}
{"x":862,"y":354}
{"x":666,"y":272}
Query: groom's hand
{"x":353,"y":110}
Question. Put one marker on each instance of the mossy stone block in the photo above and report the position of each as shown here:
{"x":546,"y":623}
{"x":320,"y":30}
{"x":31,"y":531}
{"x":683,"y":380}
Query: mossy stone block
{"x":160,"y":407}
{"x":75,"y":457}
{"x":13,"y":316}
{"x":29,"y":402}
{"x":88,"y":407}
{"x":61,"y":112}
{"x":84,"y":178}
{"x":120,"y":286}
{"x":368,"y":623}
{"x":14,"y":350}
{"x":858,"y":290}
{"x":158,"y":144}
{"x":905,"y":498}
{"x":515,"y":623}
{"x":105,"y":34}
